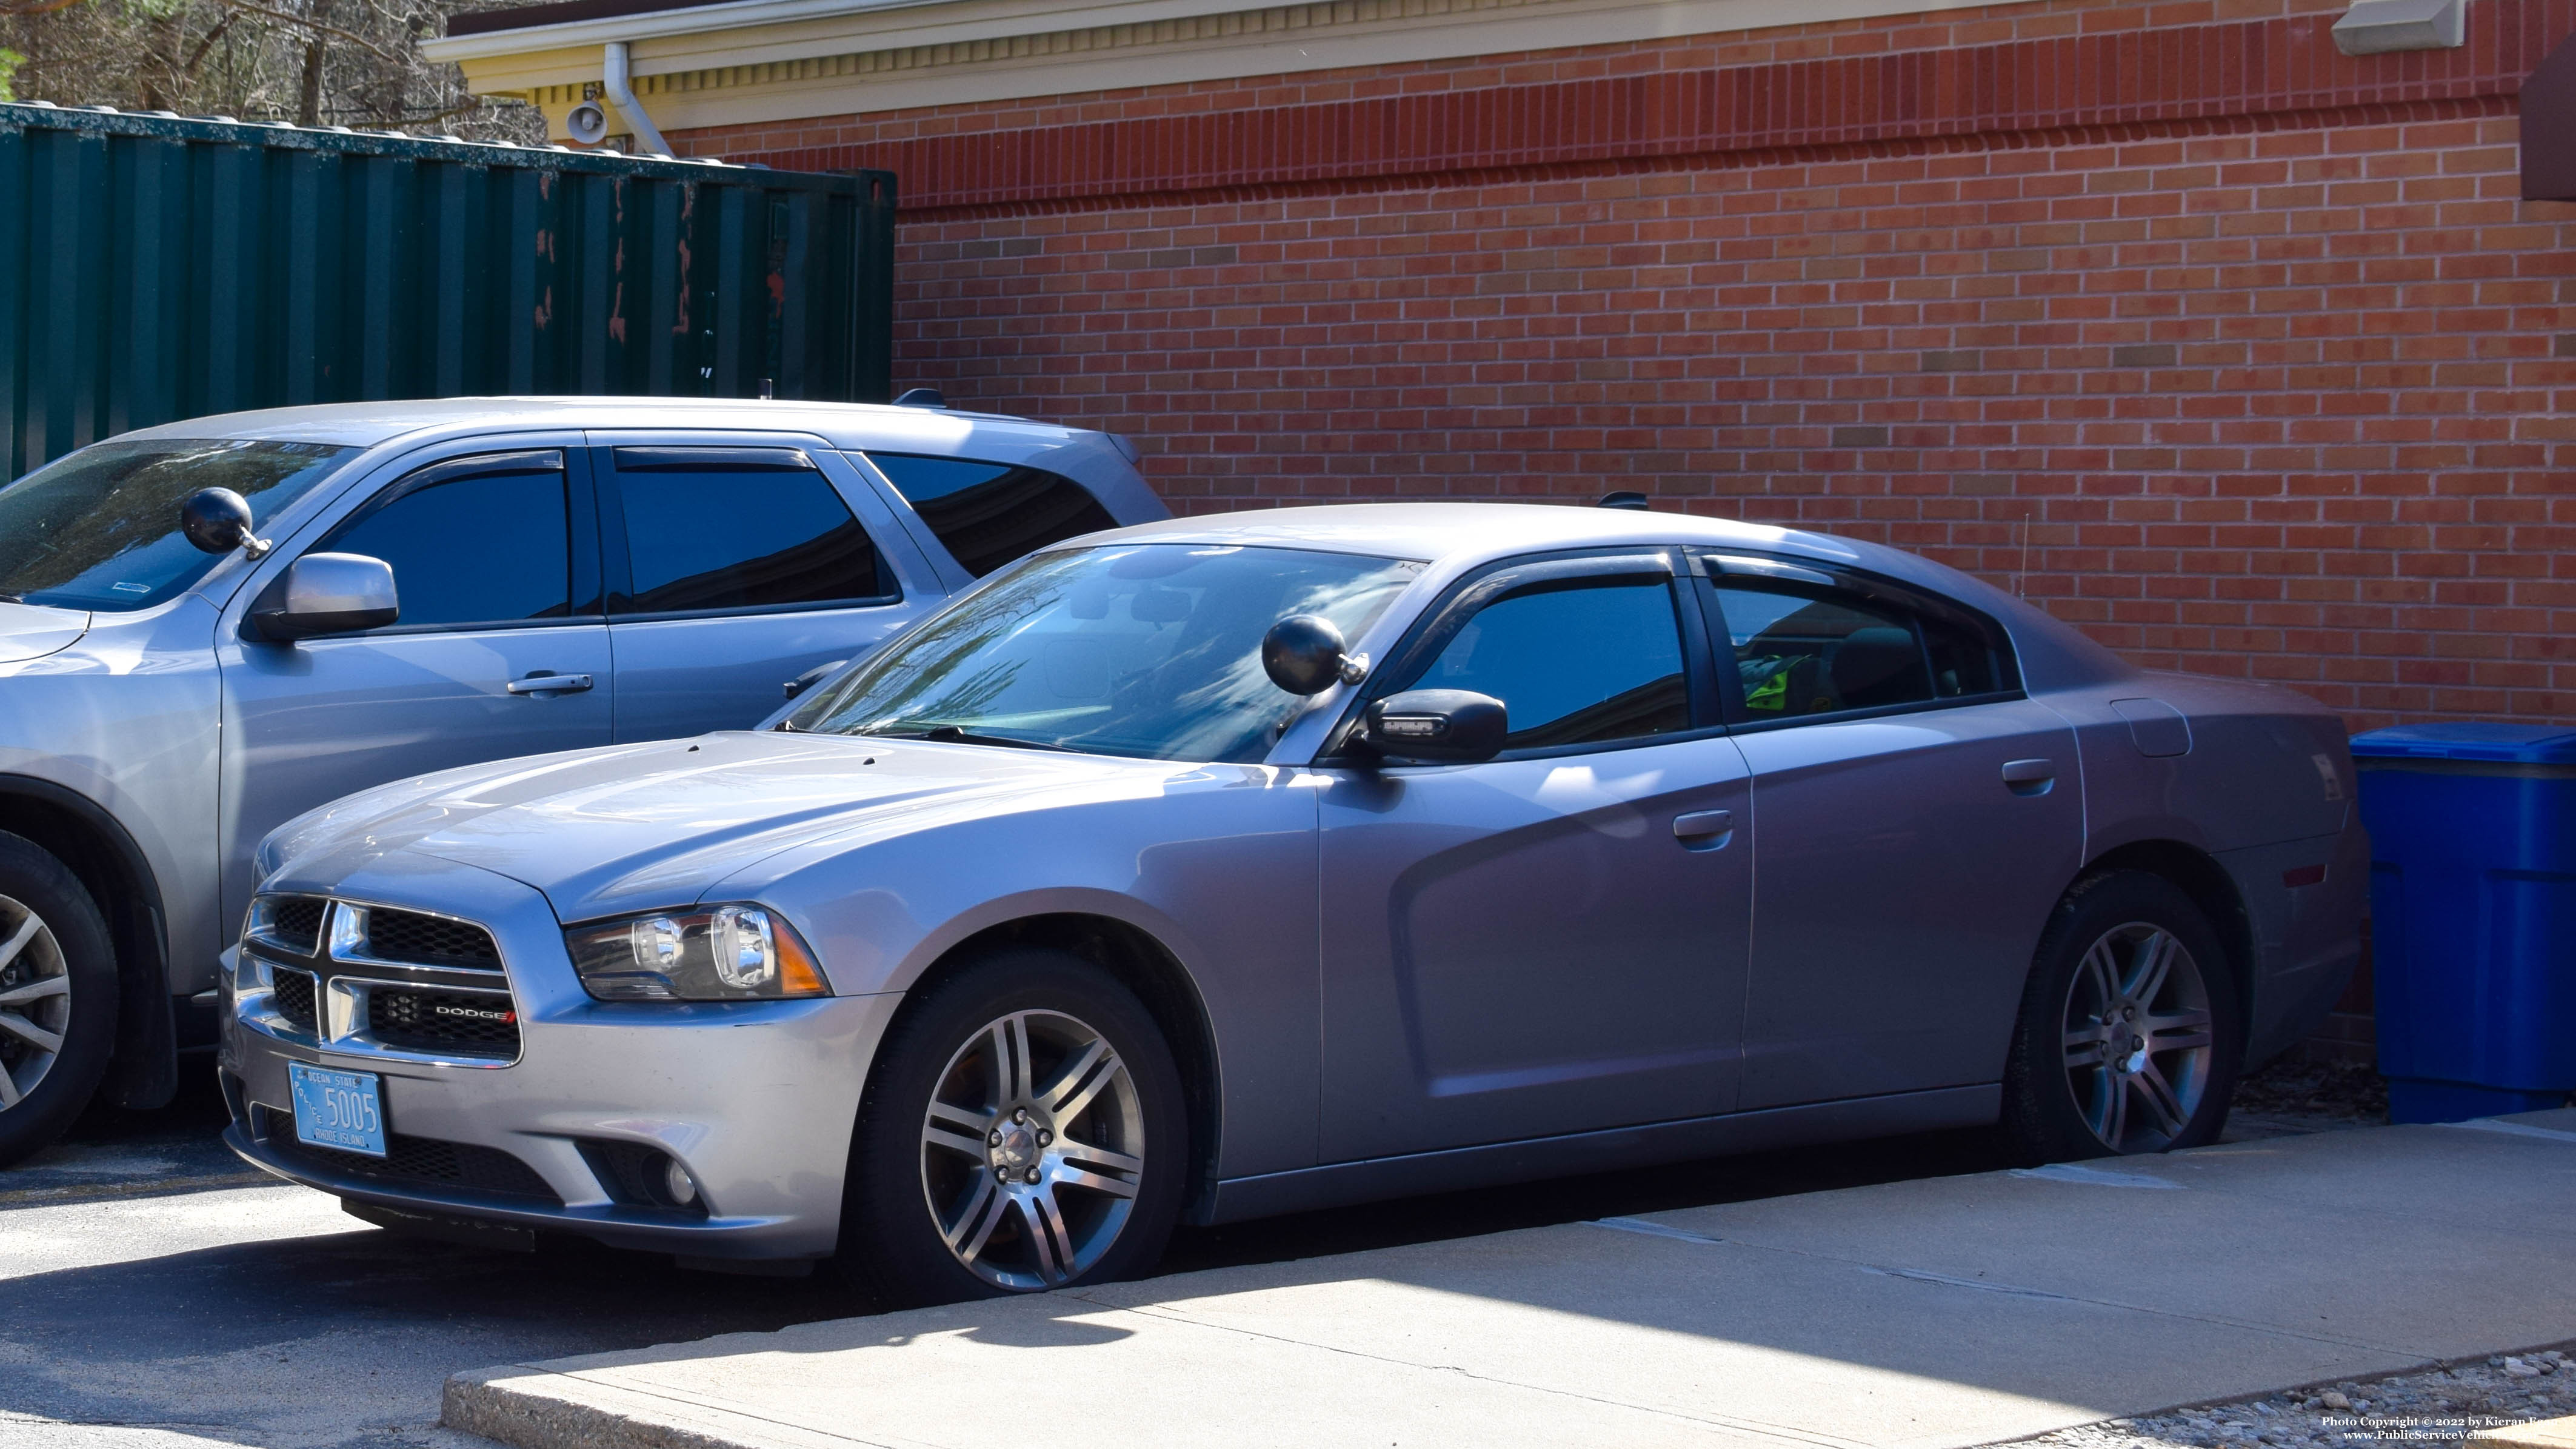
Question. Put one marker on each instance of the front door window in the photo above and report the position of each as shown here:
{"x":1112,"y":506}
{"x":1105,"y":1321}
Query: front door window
{"x":1590,"y":663}
{"x":487,"y":549}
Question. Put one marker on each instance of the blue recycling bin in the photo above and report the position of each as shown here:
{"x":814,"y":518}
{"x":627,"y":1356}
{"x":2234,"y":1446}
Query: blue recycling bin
{"x":2472,"y":915}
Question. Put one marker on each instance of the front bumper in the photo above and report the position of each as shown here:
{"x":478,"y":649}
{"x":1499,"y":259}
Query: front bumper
{"x":756,"y":1100}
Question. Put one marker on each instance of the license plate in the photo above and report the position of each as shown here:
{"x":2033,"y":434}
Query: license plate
{"x":338,"y":1110}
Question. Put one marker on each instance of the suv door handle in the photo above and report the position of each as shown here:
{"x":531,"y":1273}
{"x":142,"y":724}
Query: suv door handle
{"x":2029,"y":777}
{"x":548,"y":682}
{"x":1701,"y":824}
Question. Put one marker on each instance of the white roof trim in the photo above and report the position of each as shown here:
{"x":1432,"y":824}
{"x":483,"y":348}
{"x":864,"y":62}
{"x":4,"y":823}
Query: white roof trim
{"x":693,"y":20}
{"x":985,"y":19}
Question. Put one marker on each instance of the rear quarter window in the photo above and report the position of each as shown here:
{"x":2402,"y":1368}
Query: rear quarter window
{"x":990,"y":514}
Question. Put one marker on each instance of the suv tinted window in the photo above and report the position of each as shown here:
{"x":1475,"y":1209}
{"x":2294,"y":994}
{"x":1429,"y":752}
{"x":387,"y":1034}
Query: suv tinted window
{"x":1805,"y":650}
{"x":1584,"y":662}
{"x":486,"y":549}
{"x":987,"y":514}
{"x":725,"y":536}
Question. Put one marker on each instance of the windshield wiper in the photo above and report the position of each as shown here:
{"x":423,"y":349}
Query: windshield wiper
{"x":949,"y":734}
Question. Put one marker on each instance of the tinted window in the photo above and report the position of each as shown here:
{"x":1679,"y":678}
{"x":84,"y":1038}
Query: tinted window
{"x":1803,"y":650}
{"x":100,"y":529}
{"x":480,"y":550}
{"x":987,"y":514}
{"x":742,"y":539}
{"x":1585,"y":664}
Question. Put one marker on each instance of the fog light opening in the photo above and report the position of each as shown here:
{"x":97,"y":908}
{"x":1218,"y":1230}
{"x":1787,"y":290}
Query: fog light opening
{"x":681,"y":1188}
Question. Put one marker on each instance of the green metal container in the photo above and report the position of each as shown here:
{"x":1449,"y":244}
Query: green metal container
{"x":153,"y":268}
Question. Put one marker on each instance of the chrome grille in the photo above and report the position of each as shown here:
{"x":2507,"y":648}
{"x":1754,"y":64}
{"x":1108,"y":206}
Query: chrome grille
{"x":293,"y":994}
{"x":472,"y":1023}
{"x":295,"y":922}
{"x":397,"y":935}
{"x":377,"y":980}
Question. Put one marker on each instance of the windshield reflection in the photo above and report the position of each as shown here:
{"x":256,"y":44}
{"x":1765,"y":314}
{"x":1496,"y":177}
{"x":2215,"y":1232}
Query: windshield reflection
{"x":99,"y":529}
{"x":1150,"y":650}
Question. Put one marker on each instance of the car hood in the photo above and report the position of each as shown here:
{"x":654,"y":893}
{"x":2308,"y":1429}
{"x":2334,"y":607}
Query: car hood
{"x":652,"y":826}
{"x":32,"y":631}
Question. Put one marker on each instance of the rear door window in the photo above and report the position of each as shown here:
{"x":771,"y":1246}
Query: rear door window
{"x":731,"y":529}
{"x":485,"y":548}
{"x":989,"y":514}
{"x":1817,"y":648}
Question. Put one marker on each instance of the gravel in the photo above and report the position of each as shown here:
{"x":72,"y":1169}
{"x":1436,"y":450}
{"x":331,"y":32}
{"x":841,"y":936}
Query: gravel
{"x":2315,"y":1093}
{"x":2437,"y":1406}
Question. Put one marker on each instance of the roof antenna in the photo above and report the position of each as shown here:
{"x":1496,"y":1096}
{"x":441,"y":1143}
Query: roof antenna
{"x":1624,"y":498}
{"x":921,"y":397}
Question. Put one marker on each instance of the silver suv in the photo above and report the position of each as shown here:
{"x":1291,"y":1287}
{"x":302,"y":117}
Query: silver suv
{"x":363,"y":592}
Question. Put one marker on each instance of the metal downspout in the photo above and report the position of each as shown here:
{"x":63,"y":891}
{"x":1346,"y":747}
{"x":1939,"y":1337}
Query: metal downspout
{"x":614,"y":80}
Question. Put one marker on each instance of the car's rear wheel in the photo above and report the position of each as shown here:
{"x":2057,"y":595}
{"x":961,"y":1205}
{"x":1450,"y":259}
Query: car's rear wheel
{"x":57,"y":998}
{"x":1023,"y":1130}
{"x":2129,"y":1037}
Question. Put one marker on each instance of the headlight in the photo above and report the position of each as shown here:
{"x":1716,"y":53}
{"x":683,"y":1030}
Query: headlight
{"x":728,"y":953}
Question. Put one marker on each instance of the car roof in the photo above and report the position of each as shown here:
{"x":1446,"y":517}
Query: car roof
{"x":1454,"y":537}
{"x":367,"y":424}
{"x":1442,"y":532}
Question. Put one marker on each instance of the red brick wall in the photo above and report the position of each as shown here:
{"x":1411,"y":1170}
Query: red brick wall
{"x":2237,"y":352}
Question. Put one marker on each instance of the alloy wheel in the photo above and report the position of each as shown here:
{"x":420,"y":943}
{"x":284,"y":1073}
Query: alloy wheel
{"x":1033,"y":1150}
{"x":35,"y":1001}
{"x":2140,"y":1041}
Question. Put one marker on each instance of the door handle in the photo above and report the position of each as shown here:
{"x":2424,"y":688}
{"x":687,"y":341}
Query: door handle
{"x":548,"y":682}
{"x":1701,"y":824}
{"x":2029,"y":777}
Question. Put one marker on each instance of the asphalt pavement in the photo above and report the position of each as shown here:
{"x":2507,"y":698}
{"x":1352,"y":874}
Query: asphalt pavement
{"x":155,"y":1293}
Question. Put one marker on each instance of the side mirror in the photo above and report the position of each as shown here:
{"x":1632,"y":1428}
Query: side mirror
{"x":1306,"y":654}
{"x":812,"y":677}
{"x":1441,"y":726}
{"x":217,"y":520}
{"x":327,"y":593}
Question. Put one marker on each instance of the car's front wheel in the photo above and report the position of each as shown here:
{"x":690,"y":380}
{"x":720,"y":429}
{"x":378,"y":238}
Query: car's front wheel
{"x":2129,"y":1037}
{"x":57,"y":998}
{"x":1023,"y":1130}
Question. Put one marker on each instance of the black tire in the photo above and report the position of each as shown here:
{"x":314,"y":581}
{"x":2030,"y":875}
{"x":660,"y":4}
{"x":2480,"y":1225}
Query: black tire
{"x":2062,"y":1091}
{"x":50,"y":1093}
{"x":891,"y":1233}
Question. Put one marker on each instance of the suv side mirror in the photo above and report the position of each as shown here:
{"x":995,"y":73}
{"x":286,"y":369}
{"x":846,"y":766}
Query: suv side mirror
{"x":217,"y":520}
{"x":1439,"y":726}
{"x":814,"y":676}
{"x":327,"y":593}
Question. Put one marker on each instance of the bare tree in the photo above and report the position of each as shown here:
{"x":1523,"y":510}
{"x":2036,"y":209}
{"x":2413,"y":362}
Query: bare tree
{"x":315,"y":62}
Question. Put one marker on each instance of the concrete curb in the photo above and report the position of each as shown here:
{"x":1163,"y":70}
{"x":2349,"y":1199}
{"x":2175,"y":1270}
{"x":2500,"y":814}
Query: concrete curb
{"x":2546,"y":1434}
{"x":532,"y":1408}
{"x":1939,"y":1313}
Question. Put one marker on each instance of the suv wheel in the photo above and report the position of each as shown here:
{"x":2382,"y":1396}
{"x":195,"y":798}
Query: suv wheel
{"x":1023,"y":1130}
{"x":2128,"y":1040}
{"x":57,"y":998}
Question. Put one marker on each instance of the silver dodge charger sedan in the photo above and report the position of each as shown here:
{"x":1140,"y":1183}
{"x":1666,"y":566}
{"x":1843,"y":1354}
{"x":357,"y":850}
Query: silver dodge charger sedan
{"x":1241,"y":865}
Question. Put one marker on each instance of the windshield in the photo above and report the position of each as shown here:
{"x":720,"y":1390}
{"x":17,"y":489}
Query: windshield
{"x":1150,"y":650}
{"x":99,"y":529}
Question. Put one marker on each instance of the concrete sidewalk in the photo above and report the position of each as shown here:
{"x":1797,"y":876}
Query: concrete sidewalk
{"x":1949,"y":1311}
